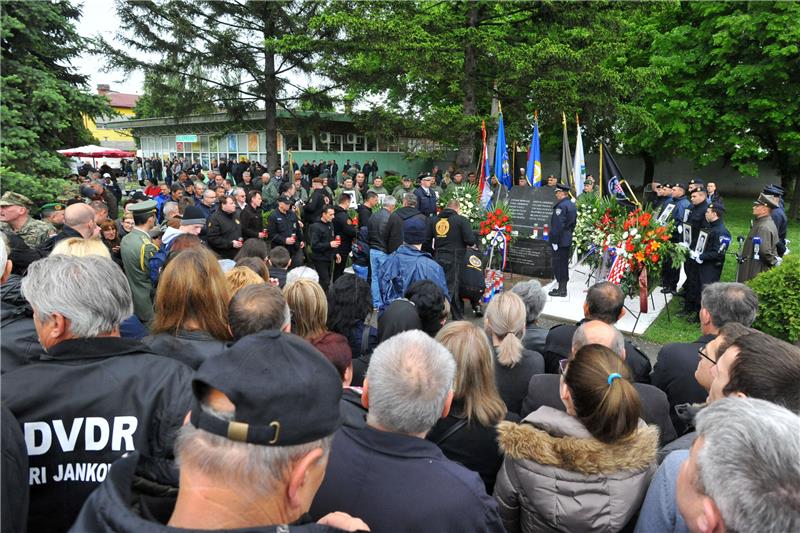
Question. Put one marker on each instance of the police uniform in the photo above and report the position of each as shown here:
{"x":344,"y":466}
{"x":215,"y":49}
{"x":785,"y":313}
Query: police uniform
{"x":281,"y":226}
{"x":452,"y":234}
{"x":670,"y":274}
{"x":85,"y":404}
{"x":712,"y":257}
{"x":137,"y":249}
{"x":778,"y":216}
{"x":695,"y":223}
{"x":562,"y":224}
{"x":760,"y":251}
{"x":33,"y":232}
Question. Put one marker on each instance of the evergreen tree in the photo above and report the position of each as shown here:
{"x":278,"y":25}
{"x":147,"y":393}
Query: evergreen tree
{"x":43,"y":98}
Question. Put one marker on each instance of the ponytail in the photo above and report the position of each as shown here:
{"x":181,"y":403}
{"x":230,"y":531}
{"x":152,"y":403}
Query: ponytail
{"x":505,"y":318}
{"x":509,"y":353}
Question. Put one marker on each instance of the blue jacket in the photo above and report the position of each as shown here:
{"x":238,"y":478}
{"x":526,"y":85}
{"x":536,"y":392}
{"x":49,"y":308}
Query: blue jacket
{"x":404,"y":267}
{"x":397,"y":483}
{"x":426,"y":203}
{"x":562,"y":223}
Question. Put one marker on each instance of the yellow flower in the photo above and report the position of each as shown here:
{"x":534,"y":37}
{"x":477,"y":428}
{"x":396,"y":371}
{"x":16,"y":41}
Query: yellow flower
{"x":655,"y":245}
{"x":639,"y":256}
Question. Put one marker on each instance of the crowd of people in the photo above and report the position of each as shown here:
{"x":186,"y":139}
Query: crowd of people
{"x":189,"y":365}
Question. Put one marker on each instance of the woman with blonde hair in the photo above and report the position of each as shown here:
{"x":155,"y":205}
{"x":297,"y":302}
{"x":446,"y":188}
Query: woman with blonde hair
{"x":504,"y":323}
{"x":191,"y":308}
{"x":309,"y":308}
{"x":468,"y":433}
{"x":241,"y":276}
{"x":586,"y":469}
{"x":78,"y":247}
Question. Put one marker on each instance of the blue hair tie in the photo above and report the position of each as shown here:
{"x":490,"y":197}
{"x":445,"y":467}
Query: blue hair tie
{"x":613,"y":376}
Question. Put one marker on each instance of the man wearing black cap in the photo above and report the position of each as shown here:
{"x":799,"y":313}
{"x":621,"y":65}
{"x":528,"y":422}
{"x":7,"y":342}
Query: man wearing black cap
{"x":694,"y":184}
{"x":386,"y":472}
{"x":284,"y":230}
{"x":671,"y":274}
{"x":778,"y":215}
{"x":409,"y":263}
{"x":695,"y":223}
{"x":251,"y":456}
{"x":562,"y":224}
{"x":760,"y":251}
{"x":712,"y":258}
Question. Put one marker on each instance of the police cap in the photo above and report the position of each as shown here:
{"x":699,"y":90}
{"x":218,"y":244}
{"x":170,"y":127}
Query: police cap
{"x":15,"y":198}
{"x":717,"y":208}
{"x":679,"y":184}
{"x":774,"y":190}
{"x":285,"y":200}
{"x":561,"y":187}
{"x":696,"y":181}
{"x":284,"y":391}
{"x":140,"y":208}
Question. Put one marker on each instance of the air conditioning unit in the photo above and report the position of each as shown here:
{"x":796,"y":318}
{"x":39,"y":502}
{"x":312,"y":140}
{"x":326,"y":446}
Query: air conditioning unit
{"x":324,"y":137}
{"x":351,"y":138}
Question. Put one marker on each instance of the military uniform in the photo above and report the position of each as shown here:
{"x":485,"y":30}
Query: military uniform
{"x":137,"y":249}
{"x":712,"y":258}
{"x":756,"y":261}
{"x":452,"y":235}
{"x":695,"y":221}
{"x":33,"y":232}
{"x":562,"y":224}
{"x":670,"y":274}
{"x":778,"y":216}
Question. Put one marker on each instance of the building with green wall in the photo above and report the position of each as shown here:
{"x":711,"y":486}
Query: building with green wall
{"x":301,"y":136}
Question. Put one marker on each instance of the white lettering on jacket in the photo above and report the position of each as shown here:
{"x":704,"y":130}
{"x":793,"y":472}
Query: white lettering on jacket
{"x":97,"y":433}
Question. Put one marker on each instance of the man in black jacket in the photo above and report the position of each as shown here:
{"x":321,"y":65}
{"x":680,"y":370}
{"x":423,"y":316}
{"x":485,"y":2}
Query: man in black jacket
{"x":284,"y":230}
{"x":325,"y":247}
{"x":365,"y":209}
{"x":452,"y":235}
{"x":252,"y":223}
{"x":604,"y":302}
{"x":344,"y":228}
{"x":78,"y":222}
{"x":674,"y":372}
{"x":695,"y":222}
{"x":317,"y":200}
{"x":543,"y":389}
{"x":394,"y":235}
{"x":225,"y":229}
{"x":377,"y":238}
{"x":94,"y":396}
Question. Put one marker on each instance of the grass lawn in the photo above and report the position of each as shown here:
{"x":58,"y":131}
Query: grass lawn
{"x":738,"y":215}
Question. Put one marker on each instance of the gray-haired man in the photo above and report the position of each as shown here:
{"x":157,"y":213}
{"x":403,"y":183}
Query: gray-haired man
{"x":93,"y":396}
{"x":387,"y":473}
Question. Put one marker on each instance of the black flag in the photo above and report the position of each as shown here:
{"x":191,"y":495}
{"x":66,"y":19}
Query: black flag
{"x":612,"y":178}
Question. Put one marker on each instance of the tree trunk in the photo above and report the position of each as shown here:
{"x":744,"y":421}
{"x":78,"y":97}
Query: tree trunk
{"x":270,"y":93}
{"x":466,"y":151}
{"x":649,"y":168}
{"x":795,"y":207}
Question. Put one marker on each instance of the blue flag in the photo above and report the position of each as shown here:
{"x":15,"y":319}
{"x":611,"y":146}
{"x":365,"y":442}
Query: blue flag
{"x":501,"y":166}
{"x":533,"y":170}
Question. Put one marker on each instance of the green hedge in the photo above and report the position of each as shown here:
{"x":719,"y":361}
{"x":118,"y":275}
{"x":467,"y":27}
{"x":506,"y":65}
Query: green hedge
{"x":778,"y":291}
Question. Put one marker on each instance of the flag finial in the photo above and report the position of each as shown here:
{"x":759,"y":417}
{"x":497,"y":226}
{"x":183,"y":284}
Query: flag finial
{"x":577,"y":121}
{"x":563,"y":118}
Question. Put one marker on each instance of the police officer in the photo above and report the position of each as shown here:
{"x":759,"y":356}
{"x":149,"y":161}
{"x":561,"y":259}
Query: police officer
{"x":695,"y":222}
{"x":712,"y":257}
{"x":136,"y":249}
{"x":15,"y":216}
{"x":225,"y":229}
{"x":93,"y":396}
{"x":778,"y":216}
{"x":562,"y":223}
{"x":760,"y":251}
{"x":452,"y":234}
{"x":284,"y":230}
{"x":670,"y":274}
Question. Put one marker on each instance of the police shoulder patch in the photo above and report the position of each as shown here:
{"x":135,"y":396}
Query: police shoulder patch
{"x":475,"y":261}
{"x":558,"y":210}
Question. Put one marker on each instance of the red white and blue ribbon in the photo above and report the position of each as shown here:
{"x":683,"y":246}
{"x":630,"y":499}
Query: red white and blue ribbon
{"x":499,"y":243}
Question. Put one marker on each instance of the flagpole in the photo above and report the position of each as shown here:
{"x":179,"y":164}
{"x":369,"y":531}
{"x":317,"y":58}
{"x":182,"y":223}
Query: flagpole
{"x":601,"y":170}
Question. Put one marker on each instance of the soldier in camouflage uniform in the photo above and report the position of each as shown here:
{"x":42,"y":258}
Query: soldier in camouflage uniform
{"x":53,"y":213}
{"x":15,"y":216}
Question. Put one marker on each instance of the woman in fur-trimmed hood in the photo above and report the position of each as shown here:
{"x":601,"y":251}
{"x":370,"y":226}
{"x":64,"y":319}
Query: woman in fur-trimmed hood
{"x":586,"y":469}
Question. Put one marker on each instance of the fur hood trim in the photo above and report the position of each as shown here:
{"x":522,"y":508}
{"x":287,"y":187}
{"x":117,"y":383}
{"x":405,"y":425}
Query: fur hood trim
{"x":585,"y":455}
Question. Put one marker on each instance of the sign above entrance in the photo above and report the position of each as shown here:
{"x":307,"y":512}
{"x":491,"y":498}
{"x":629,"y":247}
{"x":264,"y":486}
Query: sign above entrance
{"x":186,"y":138}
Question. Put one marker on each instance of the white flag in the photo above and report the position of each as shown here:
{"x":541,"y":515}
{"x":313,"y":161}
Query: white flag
{"x":579,"y":164}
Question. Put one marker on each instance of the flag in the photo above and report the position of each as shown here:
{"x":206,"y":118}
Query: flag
{"x":486,"y":195}
{"x":611,"y":176}
{"x":566,"y":157}
{"x":618,"y":268}
{"x":579,"y":164}
{"x":533,"y":170}
{"x":501,"y":169}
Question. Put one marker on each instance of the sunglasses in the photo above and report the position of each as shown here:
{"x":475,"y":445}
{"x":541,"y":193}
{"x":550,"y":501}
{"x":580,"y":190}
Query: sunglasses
{"x":702,"y":353}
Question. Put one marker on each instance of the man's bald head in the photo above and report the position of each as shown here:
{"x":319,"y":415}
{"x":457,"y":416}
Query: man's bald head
{"x":598,"y":332}
{"x":77,"y":214}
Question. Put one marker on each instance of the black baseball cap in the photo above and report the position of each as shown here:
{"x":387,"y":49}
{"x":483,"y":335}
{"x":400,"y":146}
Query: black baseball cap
{"x":285,"y":392}
{"x":285,"y":200}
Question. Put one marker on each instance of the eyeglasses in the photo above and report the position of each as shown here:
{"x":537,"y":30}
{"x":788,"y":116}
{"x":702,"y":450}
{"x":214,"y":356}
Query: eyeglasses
{"x":702,"y":353}
{"x":562,"y":366}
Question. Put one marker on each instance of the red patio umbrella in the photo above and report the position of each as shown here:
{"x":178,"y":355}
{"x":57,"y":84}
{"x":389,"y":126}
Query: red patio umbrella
{"x":92,"y":150}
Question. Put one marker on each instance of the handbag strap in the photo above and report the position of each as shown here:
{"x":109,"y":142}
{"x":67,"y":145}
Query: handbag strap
{"x":450,"y":432}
